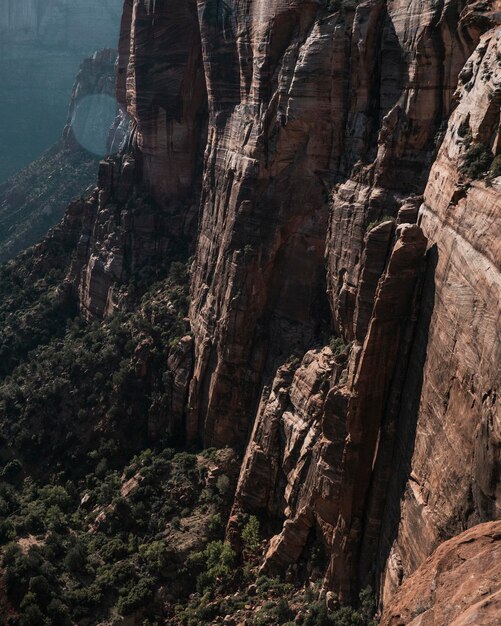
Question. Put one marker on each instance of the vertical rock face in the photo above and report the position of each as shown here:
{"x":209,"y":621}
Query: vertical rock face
{"x":258,"y":273}
{"x":286,"y":122}
{"x":455,"y":463}
{"x":164,"y":93}
{"x":323,"y":126}
{"x":161,"y":85}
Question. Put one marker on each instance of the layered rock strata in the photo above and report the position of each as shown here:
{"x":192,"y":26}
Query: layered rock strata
{"x":323,"y":123}
{"x":450,"y":396}
{"x":459,"y":584}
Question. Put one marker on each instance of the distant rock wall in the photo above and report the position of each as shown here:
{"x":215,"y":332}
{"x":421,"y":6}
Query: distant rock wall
{"x":42,"y":43}
{"x":35,"y":198}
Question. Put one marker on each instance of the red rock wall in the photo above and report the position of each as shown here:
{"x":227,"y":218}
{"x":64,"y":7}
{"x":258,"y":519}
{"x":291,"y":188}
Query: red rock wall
{"x":322,"y":129}
{"x":459,"y":584}
{"x":161,"y":84}
{"x":454,"y":371}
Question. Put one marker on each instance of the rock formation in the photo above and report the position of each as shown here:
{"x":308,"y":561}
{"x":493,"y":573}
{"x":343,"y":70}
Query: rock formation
{"x":458,"y":584}
{"x":453,"y":377}
{"x":34,"y":199}
{"x":346,"y":279}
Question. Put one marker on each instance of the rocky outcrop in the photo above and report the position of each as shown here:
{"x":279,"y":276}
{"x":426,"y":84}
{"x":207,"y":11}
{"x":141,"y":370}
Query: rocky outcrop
{"x":161,"y":85}
{"x":342,"y":457}
{"x":459,"y":584}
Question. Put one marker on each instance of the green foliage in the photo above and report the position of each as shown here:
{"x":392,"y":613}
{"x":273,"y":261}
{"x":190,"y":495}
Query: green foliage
{"x":87,"y":372}
{"x":274,"y":612}
{"x":11,"y":470}
{"x":134,"y":597}
{"x":318,"y":615}
{"x":495,"y":168}
{"x":250,"y":534}
{"x":71,"y":574}
{"x":476,"y":160}
{"x":385,"y":218}
{"x":217,"y":563}
{"x":338,"y":346}
{"x":215,"y":525}
{"x":223,"y":486}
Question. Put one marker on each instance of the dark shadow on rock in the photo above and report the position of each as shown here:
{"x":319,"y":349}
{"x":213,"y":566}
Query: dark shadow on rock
{"x":407,"y":418}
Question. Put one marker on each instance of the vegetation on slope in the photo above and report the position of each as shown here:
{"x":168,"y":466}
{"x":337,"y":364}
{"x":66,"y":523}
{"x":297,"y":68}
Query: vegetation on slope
{"x":104,"y":515}
{"x":33,"y":200}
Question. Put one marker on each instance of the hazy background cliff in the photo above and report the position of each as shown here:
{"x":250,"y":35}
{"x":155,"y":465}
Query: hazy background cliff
{"x":42,"y":43}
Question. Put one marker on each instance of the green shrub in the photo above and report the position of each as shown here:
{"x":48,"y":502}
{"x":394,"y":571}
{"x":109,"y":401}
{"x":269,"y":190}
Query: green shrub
{"x":76,"y":559}
{"x":219,"y":561}
{"x":382,"y":220}
{"x":12,"y":470}
{"x":250,"y":534}
{"x":132,"y":599}
{"x":215,"y":525}
{"x":476,"y":160}
{"x":155,"y":555}
{"x":338,"y":346}
{"x":495,"y":168}
{"x":223,"y":485}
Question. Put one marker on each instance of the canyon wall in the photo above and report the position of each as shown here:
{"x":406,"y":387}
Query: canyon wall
{"x":42,"y":43}
{"x":346,"y":278}
{"x":35,"y":198}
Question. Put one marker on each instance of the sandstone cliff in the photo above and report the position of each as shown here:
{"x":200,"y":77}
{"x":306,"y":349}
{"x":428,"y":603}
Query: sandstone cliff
{"x":458,"y":585}
{"x":346,"y":278}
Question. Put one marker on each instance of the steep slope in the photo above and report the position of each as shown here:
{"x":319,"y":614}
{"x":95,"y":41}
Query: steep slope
{"x":34,"y":200}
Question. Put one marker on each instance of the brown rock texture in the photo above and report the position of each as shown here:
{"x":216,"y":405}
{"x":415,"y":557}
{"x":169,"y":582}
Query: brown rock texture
{"x":161,"y":86}
{"x":323,"y":135}
{"x":458,"y":585}
{"x":455,"y":464}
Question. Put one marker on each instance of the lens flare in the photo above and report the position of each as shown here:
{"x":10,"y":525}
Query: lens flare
{"x":92,"y":121}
